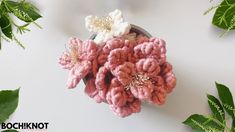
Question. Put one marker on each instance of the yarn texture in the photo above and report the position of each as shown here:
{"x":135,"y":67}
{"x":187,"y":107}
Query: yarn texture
{"x":123,"y":72}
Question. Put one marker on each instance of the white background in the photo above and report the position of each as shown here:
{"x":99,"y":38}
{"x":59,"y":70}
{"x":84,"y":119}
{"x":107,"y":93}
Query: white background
{"x":197,"y":53}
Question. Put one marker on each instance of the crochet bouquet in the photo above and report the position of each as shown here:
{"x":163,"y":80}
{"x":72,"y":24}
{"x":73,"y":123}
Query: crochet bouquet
{"x":120,"y":65}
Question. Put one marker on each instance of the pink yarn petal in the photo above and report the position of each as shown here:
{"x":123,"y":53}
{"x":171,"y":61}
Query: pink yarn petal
{"x":158,"y":96}
{"x":128,"y":109}
{"x":124,"y":73}
{"x":153,"y":49}
{"x":94,"y":67}
{"x":66,"y":61}
{"x":91,"y":90}
{"x":143,"y":91}
{"x":149,"y":67}
{"x":170,"y":81}
{"x":113,"y":44}
{"x":100,"y":78}
{"x":75,"y":43}
{"x":108,"y":47}
{"x":102,"y":58}
{"x":116,"y":96}
{"x":89,"y":50}
{"x":115,"y":58}
{"x":78,"y":72}
{"x":70,"y":58}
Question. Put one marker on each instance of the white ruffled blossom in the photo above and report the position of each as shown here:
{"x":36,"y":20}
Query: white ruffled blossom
{"x":107,"y":27}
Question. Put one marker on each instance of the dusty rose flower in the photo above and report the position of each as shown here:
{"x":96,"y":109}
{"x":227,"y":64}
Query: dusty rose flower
{"x":78,"y":59}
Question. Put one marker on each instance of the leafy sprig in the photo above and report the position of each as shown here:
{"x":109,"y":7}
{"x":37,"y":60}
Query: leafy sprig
{"x":224,"y":16}
{"x":24,"y":11}
{"x":216,"y":122}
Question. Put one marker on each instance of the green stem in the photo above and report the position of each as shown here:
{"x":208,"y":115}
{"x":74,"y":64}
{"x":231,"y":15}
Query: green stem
{"x":18,"y":42}
{"x":37,"y":25}
{"x":209,"y":10}
{"x":6,"y":5}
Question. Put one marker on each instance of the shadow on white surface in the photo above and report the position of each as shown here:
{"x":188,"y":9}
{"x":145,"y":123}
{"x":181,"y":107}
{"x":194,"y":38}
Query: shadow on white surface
{"x":133,"y":5}
{"x":217,"y":32}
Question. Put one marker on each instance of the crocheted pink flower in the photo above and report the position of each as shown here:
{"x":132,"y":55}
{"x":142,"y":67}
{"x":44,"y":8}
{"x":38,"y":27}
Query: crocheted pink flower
{"x":142,"y":90}
{"x":153,"y":49}
{"x":70,"y":58}
{"x":78,"y":60}
{"x":124,"y":73}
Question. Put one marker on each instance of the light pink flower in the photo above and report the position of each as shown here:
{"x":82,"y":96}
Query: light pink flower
{"x":78,"y":60}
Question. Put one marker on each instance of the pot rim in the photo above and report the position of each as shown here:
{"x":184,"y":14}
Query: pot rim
{"x":134,"y":28}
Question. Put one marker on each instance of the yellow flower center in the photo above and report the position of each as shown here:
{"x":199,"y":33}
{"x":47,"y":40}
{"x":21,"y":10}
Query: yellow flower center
{"x":138,"y":80}
{"x":104,"y":23}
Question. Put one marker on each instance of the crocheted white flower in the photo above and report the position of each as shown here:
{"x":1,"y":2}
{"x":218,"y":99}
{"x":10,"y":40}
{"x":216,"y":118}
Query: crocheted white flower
{"x":107,"y":27}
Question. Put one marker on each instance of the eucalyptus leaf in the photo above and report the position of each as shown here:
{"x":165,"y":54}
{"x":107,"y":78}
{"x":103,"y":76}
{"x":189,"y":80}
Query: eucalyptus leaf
{"x":216,"y":108}
{"x":23,"y":10}
{"x":226,"y":98}
{"x":216,"y":122}
{"x":233,"y":126}
{"x":6,"y":26}
{"x":223,"y":17}
{"x":202,"y":123}
{"x":8,"y":103}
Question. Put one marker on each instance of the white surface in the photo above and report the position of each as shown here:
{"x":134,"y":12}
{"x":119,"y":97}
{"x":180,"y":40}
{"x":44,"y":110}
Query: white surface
{"x":199,"y":57}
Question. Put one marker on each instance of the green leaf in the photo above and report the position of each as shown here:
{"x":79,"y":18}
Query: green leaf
{"x":23,"y":10}
{"x":216,"y":108}
{"x":10,"y":131}
{"x":5,"y":25}
{"x":233,"y":126}
{"x":202,"y":123}
{"x":223,"y":17}
{"x":226,"y":98}
{"x":8,"y":103}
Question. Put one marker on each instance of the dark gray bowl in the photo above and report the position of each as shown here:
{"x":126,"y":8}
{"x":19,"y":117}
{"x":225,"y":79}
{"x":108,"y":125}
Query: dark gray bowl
{"x":135,"y":29}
